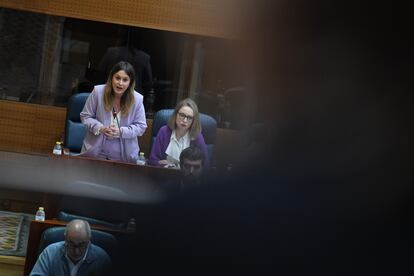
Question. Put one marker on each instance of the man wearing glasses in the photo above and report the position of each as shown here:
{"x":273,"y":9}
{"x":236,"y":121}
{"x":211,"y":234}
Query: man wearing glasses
{"x":76,"y":256}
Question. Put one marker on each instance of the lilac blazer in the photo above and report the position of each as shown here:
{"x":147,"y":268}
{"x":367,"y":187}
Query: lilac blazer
{"x":161,"y":143}
{"x":94,"y":116}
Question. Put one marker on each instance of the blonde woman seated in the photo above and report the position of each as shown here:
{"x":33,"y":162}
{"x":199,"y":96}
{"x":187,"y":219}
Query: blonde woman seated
{"x":182,"y":130}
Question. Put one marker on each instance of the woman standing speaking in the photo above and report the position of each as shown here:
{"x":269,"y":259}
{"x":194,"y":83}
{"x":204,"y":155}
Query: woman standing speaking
{"x":114,"y":117}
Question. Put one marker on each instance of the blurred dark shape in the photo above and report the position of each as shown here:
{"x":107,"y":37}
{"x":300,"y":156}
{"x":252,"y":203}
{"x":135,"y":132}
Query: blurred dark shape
{"x":166,"y":96}
{"x":84,"y":86}
{"x":114,"y":215}
{"x":149,"y":103}
{"x":330,"y":191}
{"x":232,"y":108}
{"x":208,"y":103}
{"x":128,"y":51}
{"x":236,"y":108}
{"x":67,"y":216}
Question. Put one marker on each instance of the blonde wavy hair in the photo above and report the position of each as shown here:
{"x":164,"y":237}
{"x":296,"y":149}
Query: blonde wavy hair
{"x":195,"y":127}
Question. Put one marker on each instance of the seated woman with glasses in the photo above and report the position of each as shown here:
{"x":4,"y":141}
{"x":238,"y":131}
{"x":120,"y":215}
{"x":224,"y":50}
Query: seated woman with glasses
{"x":182,"y":130}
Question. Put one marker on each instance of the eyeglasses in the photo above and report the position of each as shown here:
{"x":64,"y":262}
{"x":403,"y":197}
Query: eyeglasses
{"x":81,"y":246}
{"x":182,"y":116}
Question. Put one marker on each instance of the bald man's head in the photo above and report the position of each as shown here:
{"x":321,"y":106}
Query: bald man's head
{"x":77,"y":238}
{"x":78,"y":227}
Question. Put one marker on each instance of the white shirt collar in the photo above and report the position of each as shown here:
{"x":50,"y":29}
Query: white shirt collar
{"x":176,"y":146}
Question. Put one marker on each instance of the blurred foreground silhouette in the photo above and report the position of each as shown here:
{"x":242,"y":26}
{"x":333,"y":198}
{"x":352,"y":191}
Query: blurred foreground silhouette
{"x":329,"y":190}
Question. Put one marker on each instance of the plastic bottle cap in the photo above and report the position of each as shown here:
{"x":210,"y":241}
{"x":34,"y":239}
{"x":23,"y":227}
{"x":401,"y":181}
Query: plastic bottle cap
{"x":141,"y":153}
{"x":41,"y":208}
{"x":58,"y":142}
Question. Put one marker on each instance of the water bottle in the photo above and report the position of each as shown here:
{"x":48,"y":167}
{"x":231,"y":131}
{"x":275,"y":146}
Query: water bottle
{"x":131,"y":225}
{"x":57,"y":149}
{"x":40,"y":214}
{"x":141,"y":159}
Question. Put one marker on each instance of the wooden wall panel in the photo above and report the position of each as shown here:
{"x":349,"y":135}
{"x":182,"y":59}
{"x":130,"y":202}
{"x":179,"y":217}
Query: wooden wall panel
{"x":145,"y":140}
{"x":219,"y":18}
{"x":11,"y":265}
{"x":30,"y":127}
{"x":16,"y":122}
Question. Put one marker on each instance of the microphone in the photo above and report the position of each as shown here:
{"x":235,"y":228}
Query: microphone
{"x":114,"y":113}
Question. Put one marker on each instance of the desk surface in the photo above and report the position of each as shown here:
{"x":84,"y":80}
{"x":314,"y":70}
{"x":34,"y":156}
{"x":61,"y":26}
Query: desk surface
{"x":83,"y":177}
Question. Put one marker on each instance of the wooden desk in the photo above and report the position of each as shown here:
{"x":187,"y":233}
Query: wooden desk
{"x":63,"y":176}
{"x":84,"y":177}
{"x":11,"y":265}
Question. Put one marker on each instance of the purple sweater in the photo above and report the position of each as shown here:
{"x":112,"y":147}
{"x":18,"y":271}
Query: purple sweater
{"x":161,"y":143}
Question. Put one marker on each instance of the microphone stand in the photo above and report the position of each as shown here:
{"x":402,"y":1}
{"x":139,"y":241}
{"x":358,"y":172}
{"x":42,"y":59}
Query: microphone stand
{"x":116,"y":119}
{"x":114,"y":113}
